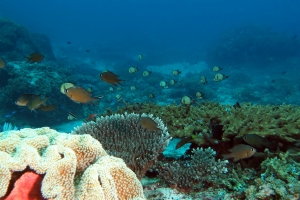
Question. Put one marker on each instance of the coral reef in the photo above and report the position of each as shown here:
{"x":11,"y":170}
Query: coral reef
{"x":74,"y":166}
{"x":123,"y":136}
{"x":279,"y":180}
{"x":16,"y":42}
{"x":41,"y":78}
{"x":193,"y":174}
{"x":252,"y":44}
{"x":275,"y":122}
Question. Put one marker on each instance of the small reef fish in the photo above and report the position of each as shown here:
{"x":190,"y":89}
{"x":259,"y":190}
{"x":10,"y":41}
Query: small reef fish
{"x":220,"y":77}
{"x":110,"y":78}
{"x":137,"y":106}
{"x":203,"y":80}
{"x":141,"y":56}
{"x":151,"y":96}
{"x":119,"y":97}
{"x":9,"y":115}
{"x":176,"y":72}
{"x":257,"y":141}
{"x":71,"y":116}
{"x":80,"y":95}
{"x":47,"y":108}
{"x":149,"y":124}
{"x":237,"y":105}
{"x":172,"y":82}
{"x":23,"y":99}
{"x":216,"y":68}
{"x":119,"y":88}
{"x":89,"y":89}
{"x":35,"y":57}
{"x":36,"y":101}
{"x":184,"y":141}
{"x":133,"y":88}
{"x":66,"y":86}
{"x":187,"y":100}
{"x":2,"y":63}
{"x":240,"y":151}
{"x":132,"y":70}
{"x":163,"y":84}
{"x":199,"y":95}
{"x":91,"y":117}
{"x":146,"y":73}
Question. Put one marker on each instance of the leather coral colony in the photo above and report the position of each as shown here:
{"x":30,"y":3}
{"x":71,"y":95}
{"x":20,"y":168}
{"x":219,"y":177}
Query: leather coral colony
{"x":72,"y":166}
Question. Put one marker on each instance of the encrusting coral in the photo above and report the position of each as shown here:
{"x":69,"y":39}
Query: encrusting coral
{"x":123,"y":136}
{"x":75,"y":166}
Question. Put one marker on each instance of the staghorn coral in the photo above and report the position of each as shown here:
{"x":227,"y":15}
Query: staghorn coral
{"x":192,"y":174}
{"x":274,"y":121}
{"x":123,"y":136}
{"x":66,"y":161}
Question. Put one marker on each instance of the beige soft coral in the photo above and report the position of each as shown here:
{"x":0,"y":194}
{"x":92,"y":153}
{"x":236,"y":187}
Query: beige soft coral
{"x":75,"y":166}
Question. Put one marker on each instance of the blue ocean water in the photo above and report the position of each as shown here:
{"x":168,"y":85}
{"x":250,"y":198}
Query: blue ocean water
{"x":255,"y":44}
{"x":177,"y":29}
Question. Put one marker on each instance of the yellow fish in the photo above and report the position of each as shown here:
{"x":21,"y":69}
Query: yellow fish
{"x":149,"y":124}
{"x":240,"y":151}
{"x":2,"y":63}
{"x":35,"y":102}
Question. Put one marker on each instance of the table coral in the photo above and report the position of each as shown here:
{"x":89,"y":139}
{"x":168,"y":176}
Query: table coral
{"x":274,"y":121}
{"x":65,"y":160}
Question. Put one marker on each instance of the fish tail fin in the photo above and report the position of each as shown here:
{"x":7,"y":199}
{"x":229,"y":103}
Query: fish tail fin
{"x":226,"y":156}
{"x":120,"y":82}
{"x":98,"y":97}
{"x":45,"y":99}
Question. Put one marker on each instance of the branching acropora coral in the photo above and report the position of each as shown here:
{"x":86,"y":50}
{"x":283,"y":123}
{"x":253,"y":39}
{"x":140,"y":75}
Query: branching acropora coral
{"x":280,"y":179}
{"x":191,"y":174}
{"x":124,"y":137}
{"x":75,"y":166}
{"x":277,"y":121}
